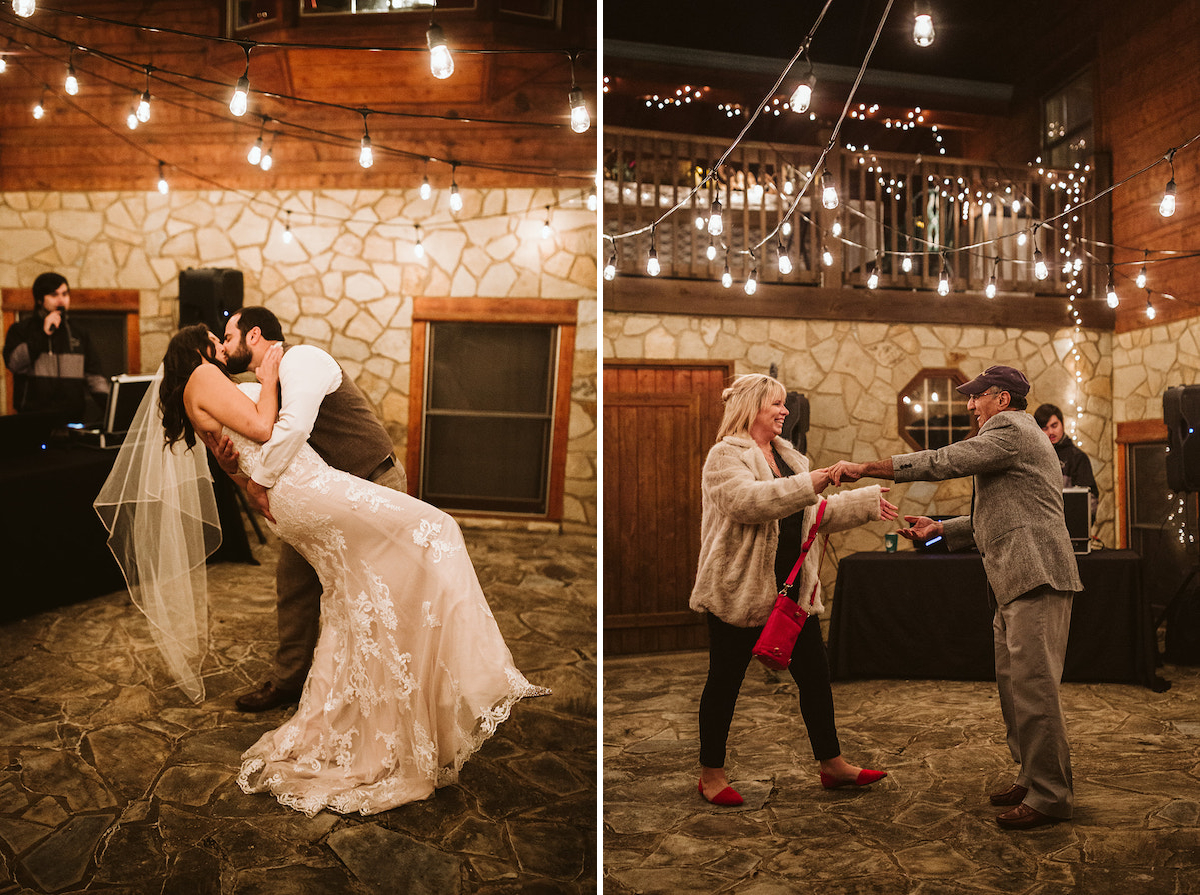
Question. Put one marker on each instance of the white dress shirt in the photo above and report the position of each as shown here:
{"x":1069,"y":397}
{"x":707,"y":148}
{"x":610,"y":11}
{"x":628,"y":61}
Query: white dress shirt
{"x":306,"y":375}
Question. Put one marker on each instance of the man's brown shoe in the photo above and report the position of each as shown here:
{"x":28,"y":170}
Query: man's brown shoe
{"x":1025,"y":818}
{"x":268,"y":696}
{"x":1014,"y":795}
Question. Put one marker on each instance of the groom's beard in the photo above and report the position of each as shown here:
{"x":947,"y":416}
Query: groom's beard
{"x":239,"y":362}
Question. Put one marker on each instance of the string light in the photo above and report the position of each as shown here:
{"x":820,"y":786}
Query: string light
{"x":1111,"y":290}
{"x":418,"y":246}
{"x":39,"y":110}
{"x":943,"y":286}
{"x":71,"y":85}
{"x":287,"y":228}
{"x":802,"y":96}
{"x":990,"y":291}
{"x":751,"y":285}
{"x":1167,"y":206}
{"x":836,"y":229}
{"x":1141,"y":277}
{"x":267,"y":159}
{"x":163,"y":186}
{"x":711,"y":251}
{"x":441,"y":63}
{"x":829,"y":195}
{"x":610,"y":268}
{"x":923,"y":32}
{"x":24,"y":8}
{"x":143,"y":107}
{"x":1040,"y":270}
{"x":456,"y":201}
{"x":241,"y":90}
{"x":366,"y":158}
{"x":580,"y":119}
{"x":726,"y":276}
{"x":652,"y":265}
{"x":826,"y":256}
{"x":426,"y":190}
{"x":785,"y":263}
{"x":254,"y":156}
{"x":546,"y":231}
{"x":716,"y":225}
{"x":132,"y":120}
{"x":3,"y":65}
{"x":593,"y":200}
{"x":1150,"y":312}
{"x":872,"y":276}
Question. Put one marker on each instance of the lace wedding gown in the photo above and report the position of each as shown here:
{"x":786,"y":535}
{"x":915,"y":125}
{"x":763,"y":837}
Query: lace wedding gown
{"x":410,"y":674}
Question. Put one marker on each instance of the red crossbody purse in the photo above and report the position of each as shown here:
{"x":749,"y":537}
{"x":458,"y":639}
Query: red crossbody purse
{"x":778,"y":638}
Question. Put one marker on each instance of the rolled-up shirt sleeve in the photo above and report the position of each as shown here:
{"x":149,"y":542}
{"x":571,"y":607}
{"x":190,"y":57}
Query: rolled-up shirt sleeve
{"x":306,"y":375}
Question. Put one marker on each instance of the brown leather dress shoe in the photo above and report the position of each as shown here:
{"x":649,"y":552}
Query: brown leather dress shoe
{"x":1025,"y":818}
{"x":268,"y":696}
{"x":1014,"y":795}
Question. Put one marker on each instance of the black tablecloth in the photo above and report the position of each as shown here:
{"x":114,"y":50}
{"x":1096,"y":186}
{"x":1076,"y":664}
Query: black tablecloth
{"x":918,"y":615}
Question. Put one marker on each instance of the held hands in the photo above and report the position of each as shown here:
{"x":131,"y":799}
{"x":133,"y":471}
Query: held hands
{"x":887,"y":510}
{"x":922,"y":528}
{"x":268,"y":368}
{"x":844,"y":471}
{"x":257,"y":495}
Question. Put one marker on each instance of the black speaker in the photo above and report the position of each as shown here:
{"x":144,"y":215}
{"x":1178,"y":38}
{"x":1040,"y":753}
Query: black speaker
{"x":209,"y":295}
{"x":795,"y":424}
{"x":1181,"y":413}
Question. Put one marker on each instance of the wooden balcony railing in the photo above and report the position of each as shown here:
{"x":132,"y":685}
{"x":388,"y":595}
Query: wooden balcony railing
{"x":979,"y":217}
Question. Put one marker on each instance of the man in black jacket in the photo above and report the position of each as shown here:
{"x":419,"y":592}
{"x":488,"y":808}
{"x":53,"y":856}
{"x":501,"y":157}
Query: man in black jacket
{"x":53,"y":362}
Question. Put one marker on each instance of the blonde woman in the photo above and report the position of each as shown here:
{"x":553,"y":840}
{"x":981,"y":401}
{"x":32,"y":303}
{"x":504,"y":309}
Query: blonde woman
{"x":759,"y":502}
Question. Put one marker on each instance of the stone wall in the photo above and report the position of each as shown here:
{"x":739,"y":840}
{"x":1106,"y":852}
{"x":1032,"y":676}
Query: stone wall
{"x":1146,"y":362}
{"x":852,"y":373}
{"x":344,"y":282}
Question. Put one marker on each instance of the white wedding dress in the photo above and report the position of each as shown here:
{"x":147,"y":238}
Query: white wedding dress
{"x":410,"y":675}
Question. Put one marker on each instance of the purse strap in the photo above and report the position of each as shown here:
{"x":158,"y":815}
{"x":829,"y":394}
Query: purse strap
{"x":812,"y":534}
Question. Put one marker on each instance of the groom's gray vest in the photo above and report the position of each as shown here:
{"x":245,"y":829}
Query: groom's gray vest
{"x":347,"y":433}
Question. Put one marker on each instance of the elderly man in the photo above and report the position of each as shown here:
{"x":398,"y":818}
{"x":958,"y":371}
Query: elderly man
{"x":1017,"y":523}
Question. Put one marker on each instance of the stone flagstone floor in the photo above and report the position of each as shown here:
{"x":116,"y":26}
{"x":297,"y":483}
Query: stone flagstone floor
{"x":927,"y":828}
{"x":113,"y":782}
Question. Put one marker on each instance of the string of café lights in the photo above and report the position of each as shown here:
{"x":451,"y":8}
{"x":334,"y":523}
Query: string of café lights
{"x":261,"y":154}
{"x":923,"y":35}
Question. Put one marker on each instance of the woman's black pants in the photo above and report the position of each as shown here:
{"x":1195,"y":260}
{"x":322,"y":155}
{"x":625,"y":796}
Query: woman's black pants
{"x":728,"y":657}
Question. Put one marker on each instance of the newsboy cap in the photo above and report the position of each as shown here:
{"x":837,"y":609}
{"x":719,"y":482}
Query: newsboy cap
{"x":1006,"y":378}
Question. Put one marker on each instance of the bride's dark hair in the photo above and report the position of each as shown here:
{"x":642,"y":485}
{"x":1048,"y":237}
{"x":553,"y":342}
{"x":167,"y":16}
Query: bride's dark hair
{"x":188,"y":349}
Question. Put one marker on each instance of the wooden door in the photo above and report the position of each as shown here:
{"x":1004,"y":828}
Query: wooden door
{"x":660,"y":419}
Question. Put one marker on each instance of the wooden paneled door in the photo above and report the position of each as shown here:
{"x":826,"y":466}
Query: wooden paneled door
{"x":660,"y":419}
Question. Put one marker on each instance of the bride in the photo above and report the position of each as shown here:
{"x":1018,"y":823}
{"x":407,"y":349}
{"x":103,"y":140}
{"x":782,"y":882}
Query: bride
{"x":411,"y":674}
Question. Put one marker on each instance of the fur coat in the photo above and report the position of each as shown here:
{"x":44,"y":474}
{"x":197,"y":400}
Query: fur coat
{"x":742,"y":503}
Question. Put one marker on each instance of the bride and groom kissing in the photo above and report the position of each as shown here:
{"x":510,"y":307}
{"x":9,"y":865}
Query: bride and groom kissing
{"x":386,"y":640}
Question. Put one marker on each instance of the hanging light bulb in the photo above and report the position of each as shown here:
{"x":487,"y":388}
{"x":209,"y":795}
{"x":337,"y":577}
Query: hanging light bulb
{"x":1150,"y":312}
{"x":3,"y":65}
{"x":1167,"y":206}
{"x":24,"y":8}
{"x":39,"y":110}
{"x":1022,"y":238}
{"x":267,"y":160}
{"x":143,"y":108}
{"x":1040,"y":270}
{"x":990,"y":289}
{"x":441,"y":63}
{"x":71,"y":85}
{"x":711,"y":251}
{"x":163,"y":186}
{"x":906,"y":264}
{"x":726,"y":276}
{"x":366,"y":158}
{"x":751,"y":285}
{"x":872,"y":276}
{"x":1111,"y":290}
{"x":652,"y":266}
{"x":456,"y":201}
{"x":1141,"y":277}
{"x":716,"y":226}
{"x":287,"y":228}
{"x":801,"y":97}
{"x":546,"y":231}
{"x":241,"y":90}
{"x":254,"y":156}
{"x":785,"y":263}
{"x":610,"y":268}
{"x":836,"y":229}
{"x":418,"y":246}
{"x":943,"y":286}
{"x":923,"y":31}
{"x":580,"y":119}
{"x":786,"y":227}
{"x":593,"y":200}
{"x":826,"y":257}
{"x":426,"y":189}
{"x":132,"y":120}
{"x":829,"y":196}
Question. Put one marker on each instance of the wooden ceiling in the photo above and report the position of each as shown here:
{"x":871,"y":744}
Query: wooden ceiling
{"x":500,"y":120}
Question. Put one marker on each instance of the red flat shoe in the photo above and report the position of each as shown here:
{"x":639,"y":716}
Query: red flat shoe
{"x":865,"y":778}
{"x":726,"y":798}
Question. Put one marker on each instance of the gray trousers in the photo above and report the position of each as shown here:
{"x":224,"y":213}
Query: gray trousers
{"x":1030,"y":636}
{"x":298,"y":604}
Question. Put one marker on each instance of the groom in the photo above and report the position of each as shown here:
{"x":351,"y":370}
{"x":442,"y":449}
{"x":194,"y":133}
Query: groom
{"x":321,"y":405}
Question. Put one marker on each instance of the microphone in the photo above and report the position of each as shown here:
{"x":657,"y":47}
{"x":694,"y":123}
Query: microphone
{"x":62,"y":314}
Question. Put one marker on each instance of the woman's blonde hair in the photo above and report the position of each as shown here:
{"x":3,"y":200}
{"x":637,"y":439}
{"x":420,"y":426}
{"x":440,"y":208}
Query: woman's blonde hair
{"x":744,"y":398}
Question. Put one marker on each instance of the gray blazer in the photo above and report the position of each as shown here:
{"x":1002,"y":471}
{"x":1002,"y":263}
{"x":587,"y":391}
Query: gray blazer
{"x":1017,"y":521}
